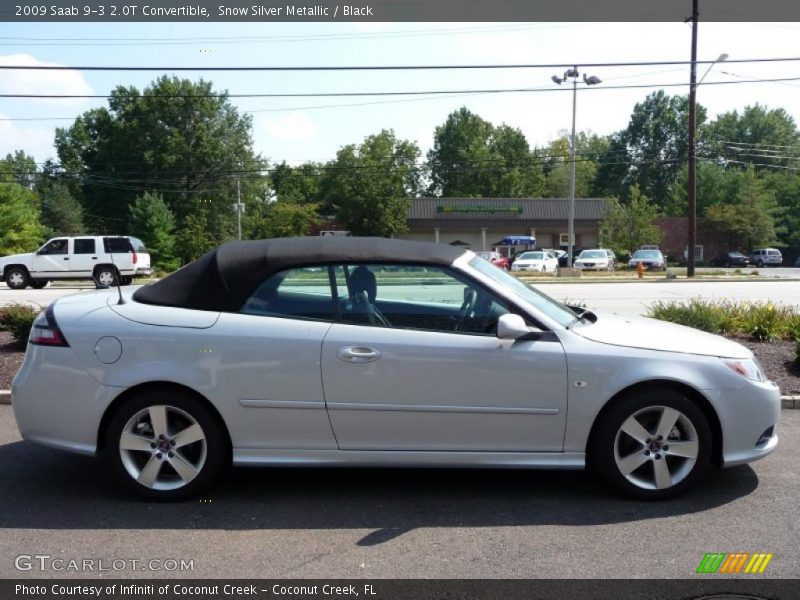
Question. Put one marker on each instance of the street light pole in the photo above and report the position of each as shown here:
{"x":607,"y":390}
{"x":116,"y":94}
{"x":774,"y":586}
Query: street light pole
{"x":693,"y":146}
{"x":571,"y":225}
{"x":592,"y":80}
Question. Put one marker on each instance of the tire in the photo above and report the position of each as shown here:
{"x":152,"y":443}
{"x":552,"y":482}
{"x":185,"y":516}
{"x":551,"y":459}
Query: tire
{"x":38,"y":284}
{"x":191,"y":468}
{"x":760,"y":264}
{"x":17,"y":278}
{"x":126,"y":280}
{"x":614,"y":453}
{"x":105,"y":276}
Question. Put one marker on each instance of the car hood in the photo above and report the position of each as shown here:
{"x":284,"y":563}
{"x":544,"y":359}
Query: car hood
{"x":652,"y":334}
{"x":17,"y":257}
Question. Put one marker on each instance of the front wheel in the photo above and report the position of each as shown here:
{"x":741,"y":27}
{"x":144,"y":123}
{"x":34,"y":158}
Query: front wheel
{"x":17,"y":278}
{"x":652,"y":444}
{"x":165,"y":446}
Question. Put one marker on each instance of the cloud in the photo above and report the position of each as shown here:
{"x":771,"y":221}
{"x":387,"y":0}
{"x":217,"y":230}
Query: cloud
{"x":42,"y":82}
{"x":36,"y":141}
{"x":293,"y":126}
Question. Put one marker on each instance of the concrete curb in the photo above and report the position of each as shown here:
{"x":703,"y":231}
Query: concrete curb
{"x":790,"y":402}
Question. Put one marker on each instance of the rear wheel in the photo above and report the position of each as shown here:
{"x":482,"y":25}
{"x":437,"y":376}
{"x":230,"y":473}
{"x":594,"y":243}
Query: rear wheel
{"x":38,"y":284}
{"x":652,"y":444}
{"x":105,"y":276}
{"x":165,"y":446}
{"x":17,"y":278}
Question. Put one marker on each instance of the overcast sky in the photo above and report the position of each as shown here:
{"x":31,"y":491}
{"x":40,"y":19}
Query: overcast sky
{"x":299,"y":129}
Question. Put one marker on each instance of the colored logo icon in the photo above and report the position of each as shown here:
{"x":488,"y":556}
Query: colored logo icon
{"x":734,"y":563}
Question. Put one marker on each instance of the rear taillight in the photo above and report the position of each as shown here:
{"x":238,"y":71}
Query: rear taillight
{"x":45,"y":330}
{"x":135,"y":258}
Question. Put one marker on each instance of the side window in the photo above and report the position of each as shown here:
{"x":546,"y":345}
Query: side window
{"x":415,"y":297}
{"x":84,"y":246}
{"x":117,"y":245}
{"x":58,"y":246}
{"x":295,"y":293}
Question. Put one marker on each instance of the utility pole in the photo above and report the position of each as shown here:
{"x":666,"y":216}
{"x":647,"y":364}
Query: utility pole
{"x":693,"y":146}
{"x":238,"y":206}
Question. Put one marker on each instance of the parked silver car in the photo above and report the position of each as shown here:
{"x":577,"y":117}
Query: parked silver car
{"x":321,"y":351}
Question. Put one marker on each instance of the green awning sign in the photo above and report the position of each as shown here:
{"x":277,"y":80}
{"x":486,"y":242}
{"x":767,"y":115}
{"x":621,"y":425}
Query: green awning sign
{"x":480,"y":209}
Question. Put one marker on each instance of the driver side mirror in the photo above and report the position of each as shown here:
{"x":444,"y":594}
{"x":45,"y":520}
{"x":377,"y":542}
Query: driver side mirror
{"x":513,"y":327}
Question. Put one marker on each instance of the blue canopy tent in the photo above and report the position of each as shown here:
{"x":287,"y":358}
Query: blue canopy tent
{"x":518,"y":240}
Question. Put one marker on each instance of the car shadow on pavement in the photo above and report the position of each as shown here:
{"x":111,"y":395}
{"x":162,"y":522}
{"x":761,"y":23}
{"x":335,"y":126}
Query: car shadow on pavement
{"x":46,"y":489}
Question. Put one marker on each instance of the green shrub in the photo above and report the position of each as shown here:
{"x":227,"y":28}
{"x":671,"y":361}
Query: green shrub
{"x":696,"y":313}
{"x":762,"y":321}
{"x":18,"y":319}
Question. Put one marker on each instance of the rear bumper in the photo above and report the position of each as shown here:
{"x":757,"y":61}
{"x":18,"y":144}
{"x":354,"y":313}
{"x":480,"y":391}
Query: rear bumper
{"x":142,"y":271}
{"x":44,"y":414}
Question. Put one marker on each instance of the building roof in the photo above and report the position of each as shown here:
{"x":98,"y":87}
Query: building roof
{"x":505,"y":209}
{"x":223,"y":279}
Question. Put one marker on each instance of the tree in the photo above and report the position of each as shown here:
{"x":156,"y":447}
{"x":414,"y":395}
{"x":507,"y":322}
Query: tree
{"x":756,"y":136}
{"x":178,"y":138}
{"x":628,"y":226}
{"x":153,"y":223}
{"x":20,"y":229}
{"x":20,"y":168}
{"x":192,"y":239}
{"x":473,"y":158}
{"x":61,"y":213}
{"x":296,"y":184}
{"x":284,"y":219}
{"x":558,"y":166}
{"x":653,"y":147}
{"x":368,"y":185}
{"x":750,"y":221}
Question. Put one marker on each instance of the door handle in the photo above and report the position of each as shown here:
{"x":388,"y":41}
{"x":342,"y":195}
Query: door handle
{"x":358,"y":354}
{"x":66,"y":258}
{"x":94,"y":258}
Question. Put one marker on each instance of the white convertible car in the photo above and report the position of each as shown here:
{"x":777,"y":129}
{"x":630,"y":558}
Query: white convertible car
{"x":365,"y":352}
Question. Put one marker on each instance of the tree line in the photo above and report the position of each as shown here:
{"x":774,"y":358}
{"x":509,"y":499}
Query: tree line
{"x":167,"y":163}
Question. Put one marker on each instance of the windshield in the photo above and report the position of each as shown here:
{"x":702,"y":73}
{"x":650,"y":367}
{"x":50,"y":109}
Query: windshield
{"x":531,"y":256}
{"x":553,"y":309}
{"x":647,"y":254}
{"x":593,"y":254}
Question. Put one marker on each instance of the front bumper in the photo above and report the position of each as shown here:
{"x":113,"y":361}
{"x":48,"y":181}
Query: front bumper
{"x":745,"y":413}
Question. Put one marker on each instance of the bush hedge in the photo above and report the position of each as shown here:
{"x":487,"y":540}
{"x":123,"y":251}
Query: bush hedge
{"x":761,"y":321}
{"x":18,"y":319}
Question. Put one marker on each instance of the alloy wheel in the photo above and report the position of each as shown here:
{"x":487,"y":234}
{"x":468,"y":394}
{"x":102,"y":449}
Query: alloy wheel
{"x":163,"y":447}
{"x":16,"y":278}
{"x":105,"y":277}
{"x":656,"y":447}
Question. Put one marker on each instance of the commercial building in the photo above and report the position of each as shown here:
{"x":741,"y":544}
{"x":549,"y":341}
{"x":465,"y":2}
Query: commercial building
{"x":486,"y":223}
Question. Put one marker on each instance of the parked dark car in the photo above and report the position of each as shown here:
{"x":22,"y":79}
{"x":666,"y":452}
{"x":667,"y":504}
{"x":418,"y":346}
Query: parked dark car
{"x":730,"y":259}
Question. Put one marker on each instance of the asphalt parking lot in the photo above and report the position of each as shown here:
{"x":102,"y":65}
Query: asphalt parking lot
{"x":397,"y":523}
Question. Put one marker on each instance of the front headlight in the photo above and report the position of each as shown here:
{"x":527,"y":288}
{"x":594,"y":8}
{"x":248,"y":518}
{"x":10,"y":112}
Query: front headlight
{"x":748,"y":368}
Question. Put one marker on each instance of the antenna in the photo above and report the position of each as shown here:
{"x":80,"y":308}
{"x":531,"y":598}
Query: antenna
{"x":116,"y":272}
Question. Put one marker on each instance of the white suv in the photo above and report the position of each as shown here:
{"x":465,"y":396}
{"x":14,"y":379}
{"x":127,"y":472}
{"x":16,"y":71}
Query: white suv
{"x":765,"y":257}
{"x":100,"y":258}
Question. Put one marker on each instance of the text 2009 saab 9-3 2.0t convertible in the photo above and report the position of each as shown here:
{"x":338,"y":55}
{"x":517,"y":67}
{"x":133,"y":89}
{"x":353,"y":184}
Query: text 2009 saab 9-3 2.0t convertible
{"x":375,"y":352}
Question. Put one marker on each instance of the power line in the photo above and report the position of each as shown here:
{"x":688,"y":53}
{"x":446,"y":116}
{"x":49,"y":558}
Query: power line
{"x":590,"y":65}
{"x":396,"y":93}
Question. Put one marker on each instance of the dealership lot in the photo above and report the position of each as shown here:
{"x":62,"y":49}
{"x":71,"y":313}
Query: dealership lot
{"x":395,"y":523}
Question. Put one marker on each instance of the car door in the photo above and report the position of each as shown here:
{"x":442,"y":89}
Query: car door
{"x":52,"y":259}
{"x":430,"y":374}
{"x":84,"y":257}
{"x":267,"y":363}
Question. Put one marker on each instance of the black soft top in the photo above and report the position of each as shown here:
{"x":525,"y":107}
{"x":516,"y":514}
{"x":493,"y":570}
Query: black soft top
{"x":223,"y":279}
